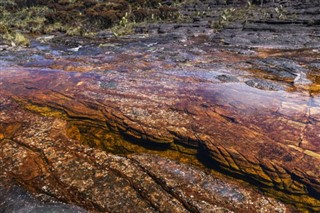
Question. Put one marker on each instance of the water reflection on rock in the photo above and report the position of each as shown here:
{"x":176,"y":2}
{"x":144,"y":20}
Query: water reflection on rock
{"x":249,"y":111}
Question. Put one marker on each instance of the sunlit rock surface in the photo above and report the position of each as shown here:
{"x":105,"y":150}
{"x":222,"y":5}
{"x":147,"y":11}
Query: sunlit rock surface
{"x":244,"y":102}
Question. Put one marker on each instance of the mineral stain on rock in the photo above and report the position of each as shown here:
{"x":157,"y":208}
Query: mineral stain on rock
{"x":127,"y":127}
{"x":42,"y":159}
{"x":152,"y":115}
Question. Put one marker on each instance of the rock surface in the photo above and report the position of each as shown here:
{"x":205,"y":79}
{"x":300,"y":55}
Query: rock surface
{"x":244,"y":101}
{"x":39,"y":156}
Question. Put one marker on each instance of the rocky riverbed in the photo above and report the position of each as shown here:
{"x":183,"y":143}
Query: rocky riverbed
{"x":181,"y":119}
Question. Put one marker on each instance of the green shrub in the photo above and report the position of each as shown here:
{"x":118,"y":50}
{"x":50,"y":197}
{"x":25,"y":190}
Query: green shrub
{"x":20,"y":17}
{"x":27,"y":20}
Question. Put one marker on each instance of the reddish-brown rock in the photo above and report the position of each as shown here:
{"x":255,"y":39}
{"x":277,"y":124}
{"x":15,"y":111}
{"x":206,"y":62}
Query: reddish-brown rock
{"x":250,"y":112}
{"x":37,"y":154}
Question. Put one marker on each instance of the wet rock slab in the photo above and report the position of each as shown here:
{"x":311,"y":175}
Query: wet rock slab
{"x":39,"y":156}
{"x":262,"y":130}
{"x":243,"y":101}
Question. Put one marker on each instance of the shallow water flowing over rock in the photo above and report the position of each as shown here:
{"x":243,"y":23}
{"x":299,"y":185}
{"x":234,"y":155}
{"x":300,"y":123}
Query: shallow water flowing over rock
{"x":250,"y":112}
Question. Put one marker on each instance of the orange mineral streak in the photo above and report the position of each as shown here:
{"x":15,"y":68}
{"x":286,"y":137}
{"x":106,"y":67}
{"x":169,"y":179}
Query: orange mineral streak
{"x":268,"y":136}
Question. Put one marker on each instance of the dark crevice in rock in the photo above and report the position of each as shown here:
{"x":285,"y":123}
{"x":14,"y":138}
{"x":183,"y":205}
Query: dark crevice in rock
{"x":171,"y":191}
{"x":230,"y":119}
{"x":88,"y":127}
{"x":67,"y":194}
{"x":312,"y":192}
{"x":211,"y":163}
{"x":144,"y":195}
{"x":144,"y":142}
